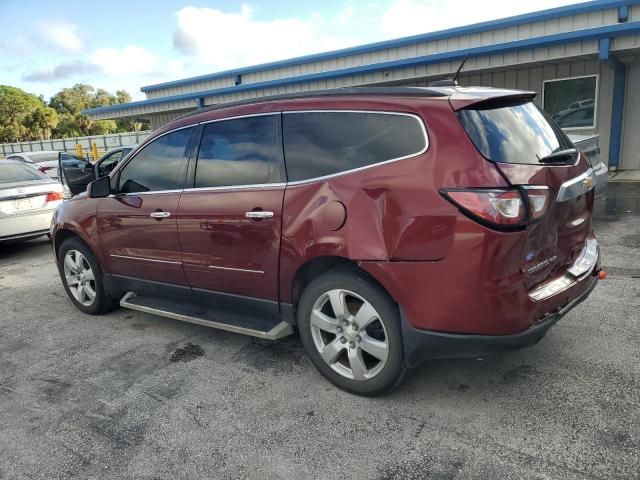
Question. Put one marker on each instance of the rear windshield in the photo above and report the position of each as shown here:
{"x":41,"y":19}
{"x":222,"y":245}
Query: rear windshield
{"x":513,"y":134}
{"x":16,"y":172}
{"x":43,"y":157}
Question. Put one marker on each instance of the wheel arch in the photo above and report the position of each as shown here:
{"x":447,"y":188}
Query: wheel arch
{"x":319,"y":265}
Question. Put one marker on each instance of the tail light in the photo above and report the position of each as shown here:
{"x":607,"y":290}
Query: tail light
{"x":501,"y":208}
{"x":538,"y":200}
{"x":45,"y":169}
{"x":54,"y":196}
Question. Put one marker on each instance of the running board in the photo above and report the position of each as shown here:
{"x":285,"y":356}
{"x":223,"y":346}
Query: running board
{"x":268,"y":329}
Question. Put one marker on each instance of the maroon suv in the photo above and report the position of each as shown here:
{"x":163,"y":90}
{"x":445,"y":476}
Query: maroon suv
{"x":386,"y":226}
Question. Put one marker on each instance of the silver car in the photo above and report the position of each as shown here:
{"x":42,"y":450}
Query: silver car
{"x":46,"y":161}
{"x":28,"y":199}
{"x":589,"y":145}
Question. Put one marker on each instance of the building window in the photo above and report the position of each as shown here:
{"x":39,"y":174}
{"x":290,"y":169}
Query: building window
{"x":572,"y":102}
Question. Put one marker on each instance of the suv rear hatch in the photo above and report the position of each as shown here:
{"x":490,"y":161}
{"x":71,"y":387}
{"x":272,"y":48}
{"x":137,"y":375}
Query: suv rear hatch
{"x":529,"y":149}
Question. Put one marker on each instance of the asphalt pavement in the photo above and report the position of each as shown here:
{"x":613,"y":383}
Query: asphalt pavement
{"x":131,"y":395}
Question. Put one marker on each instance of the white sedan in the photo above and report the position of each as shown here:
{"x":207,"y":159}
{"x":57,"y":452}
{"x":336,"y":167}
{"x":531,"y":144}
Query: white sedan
{"x":46,"y":161}
{"x":28,"y":199}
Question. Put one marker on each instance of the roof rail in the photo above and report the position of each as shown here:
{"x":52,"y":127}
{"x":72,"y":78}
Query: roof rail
{"x":345,"y":91}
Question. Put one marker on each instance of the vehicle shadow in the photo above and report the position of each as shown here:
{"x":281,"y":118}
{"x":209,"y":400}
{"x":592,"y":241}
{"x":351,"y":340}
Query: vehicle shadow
{"x":517,"y":373}
{"x":15,"y":250}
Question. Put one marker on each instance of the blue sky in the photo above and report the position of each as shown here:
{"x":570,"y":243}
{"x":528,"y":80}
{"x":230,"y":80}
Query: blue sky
{"x":49,"y":45}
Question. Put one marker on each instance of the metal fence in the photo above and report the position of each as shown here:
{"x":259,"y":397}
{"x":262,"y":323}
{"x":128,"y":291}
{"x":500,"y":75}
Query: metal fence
{"x":103,"y":143}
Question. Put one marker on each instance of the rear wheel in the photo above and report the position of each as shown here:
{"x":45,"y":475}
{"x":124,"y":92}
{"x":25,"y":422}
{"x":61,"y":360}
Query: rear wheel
{"x":82,"y":278}
{"x":351,"y":331}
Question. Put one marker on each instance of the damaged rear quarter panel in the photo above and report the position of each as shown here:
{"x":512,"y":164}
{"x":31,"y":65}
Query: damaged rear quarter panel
{"x":394,"y":211}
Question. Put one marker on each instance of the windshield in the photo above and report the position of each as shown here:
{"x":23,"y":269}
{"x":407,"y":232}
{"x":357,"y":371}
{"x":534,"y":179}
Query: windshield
{"x":513,"y":134}
{"x":43,"y":157}
{"x":16,"y":172}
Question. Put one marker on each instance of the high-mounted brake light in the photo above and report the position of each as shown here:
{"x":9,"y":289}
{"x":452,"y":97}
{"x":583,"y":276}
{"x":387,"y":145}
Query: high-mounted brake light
{"x":501,"y":207}
{"x":54,"y":196}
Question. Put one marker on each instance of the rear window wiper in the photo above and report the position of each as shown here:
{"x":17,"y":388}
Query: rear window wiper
{"x":559,"y":156}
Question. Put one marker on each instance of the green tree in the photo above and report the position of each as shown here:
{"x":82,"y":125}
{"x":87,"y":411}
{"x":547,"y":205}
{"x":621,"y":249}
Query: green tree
{"x":41,"y":122}
{"x":103,"y":127}
{"x":15,"y":107}
{"x":69,"y":103}
{"x":72,"y":100}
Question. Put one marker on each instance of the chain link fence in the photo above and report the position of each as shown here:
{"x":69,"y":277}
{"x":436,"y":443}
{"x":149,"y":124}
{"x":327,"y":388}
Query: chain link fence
{"x":103,"y":143}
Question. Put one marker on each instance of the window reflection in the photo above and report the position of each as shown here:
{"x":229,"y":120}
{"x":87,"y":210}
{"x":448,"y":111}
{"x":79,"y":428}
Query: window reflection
{"x":571,"y":101}
{"x":324,"y":143}
{"x":159,"y":166}
{"x":239,"y":152}
{"x":515,"y":134}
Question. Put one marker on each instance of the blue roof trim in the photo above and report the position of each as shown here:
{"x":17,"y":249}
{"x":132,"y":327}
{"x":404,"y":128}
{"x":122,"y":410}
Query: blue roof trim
{"x":548,"y":40}
{"x":564,"y":11}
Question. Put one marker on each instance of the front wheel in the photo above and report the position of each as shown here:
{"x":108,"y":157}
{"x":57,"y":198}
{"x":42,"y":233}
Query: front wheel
{"x":82,"y":278}
{"x":350,"y":329}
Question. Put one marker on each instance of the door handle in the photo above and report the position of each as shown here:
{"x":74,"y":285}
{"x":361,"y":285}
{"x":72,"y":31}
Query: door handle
{"x":258,"y":214}
{"x":160,"y":214}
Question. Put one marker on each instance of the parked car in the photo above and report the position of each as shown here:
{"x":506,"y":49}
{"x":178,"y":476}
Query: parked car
{"x":386,"y":226}
{"x":576,"y":118}
{"x":45,"y":161}
{"x":78,"y":173}
{"x":28,"y":199}
{"x":590,"y":147}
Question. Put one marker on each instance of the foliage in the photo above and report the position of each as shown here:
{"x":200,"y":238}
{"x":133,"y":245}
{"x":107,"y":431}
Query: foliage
{"x":24,"y":116}
{"x":15,"y":106}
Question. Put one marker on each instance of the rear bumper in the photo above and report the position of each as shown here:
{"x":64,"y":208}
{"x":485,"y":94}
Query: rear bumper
{"x":28,"y":225}
{"x":421,"y":345}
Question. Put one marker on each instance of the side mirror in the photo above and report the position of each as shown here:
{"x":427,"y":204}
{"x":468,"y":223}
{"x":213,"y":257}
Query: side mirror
{"x":99,"y":188}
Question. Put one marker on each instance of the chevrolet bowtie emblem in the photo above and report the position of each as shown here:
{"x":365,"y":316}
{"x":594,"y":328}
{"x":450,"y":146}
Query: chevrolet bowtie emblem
{"x":588,"y":183}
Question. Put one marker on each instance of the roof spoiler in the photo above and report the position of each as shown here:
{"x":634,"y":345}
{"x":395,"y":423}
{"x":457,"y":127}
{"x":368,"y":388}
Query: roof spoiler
{"x":484,"y":99}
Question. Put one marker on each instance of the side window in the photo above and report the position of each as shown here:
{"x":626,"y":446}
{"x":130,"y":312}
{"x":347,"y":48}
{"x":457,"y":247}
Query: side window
{"x":244,"y":151}
{"x":160,"y":165}
{"x":110,"y":162}
{"x":323,"y":143}
{"x":72,"y":161}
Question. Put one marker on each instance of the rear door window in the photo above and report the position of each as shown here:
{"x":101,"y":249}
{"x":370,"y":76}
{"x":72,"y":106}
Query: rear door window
{"x":160,"y":165}
{"x":513,"y":134}
{"x":317,"y":144}
{"x":242,"y":151}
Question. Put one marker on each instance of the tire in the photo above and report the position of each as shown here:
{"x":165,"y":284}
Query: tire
{"x":85,"y":287}
{"x":365,"y":359}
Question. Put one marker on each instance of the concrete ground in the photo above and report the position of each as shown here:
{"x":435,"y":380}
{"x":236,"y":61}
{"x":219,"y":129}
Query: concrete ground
{"x":100,"y":397}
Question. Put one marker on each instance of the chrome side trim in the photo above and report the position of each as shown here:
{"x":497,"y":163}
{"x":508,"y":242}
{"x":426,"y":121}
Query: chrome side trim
{"x":237,"y":117}
{"x":127,"y":257}
{"x":137,"y":194}
{"x":576,"y":186}
{"x":281,"y":330}
{"x":280,"y":184}
{"x":261,"y":272}
{"x":256,"y":186}
{"x":366,"y":167}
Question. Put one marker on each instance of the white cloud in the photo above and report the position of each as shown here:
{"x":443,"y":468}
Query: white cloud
{"x":345,"y":16}
{"x":61,"y":35}
{"x":231,"y":39}
{"x":410,"y":17}
{"x":128,"y":61}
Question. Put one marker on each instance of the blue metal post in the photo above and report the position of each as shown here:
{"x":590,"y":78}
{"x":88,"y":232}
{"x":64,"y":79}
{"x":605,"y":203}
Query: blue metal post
{"x":617,"y":107}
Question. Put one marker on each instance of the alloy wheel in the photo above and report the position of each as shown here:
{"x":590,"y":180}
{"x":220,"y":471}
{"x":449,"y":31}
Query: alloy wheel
{"x":79,"y":277}
{"x":349,"y":334}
